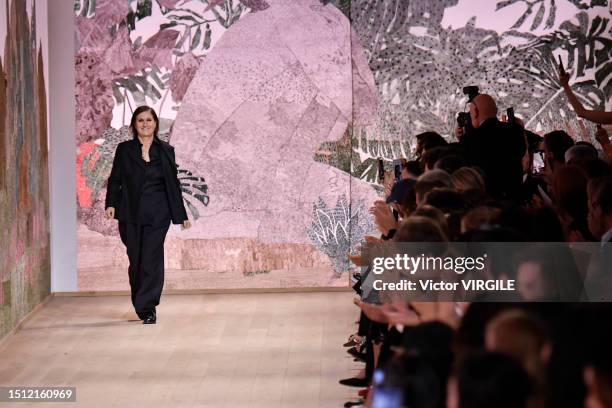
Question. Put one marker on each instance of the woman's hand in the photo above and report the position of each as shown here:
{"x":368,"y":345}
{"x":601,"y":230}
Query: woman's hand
{"x":383,"y":217}
{"x":110,"y":213}
{"x":564,"y":79}
{"x":186,"y":224}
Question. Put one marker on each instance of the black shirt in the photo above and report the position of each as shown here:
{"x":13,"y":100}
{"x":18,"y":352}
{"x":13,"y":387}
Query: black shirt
{"x":153,"y":205}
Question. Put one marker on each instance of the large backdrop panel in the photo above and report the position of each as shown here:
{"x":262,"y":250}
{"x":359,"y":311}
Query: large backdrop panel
{"x":279,"y":111}
{"x":24,"y":174}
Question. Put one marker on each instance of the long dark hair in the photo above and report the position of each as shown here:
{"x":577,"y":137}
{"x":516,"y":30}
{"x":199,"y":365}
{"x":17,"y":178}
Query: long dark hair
{"x":138,"y":111}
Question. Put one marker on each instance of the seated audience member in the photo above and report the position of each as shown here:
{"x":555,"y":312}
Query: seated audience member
{"x":600,"y":208}
{"x":547,"y":273}
{"x":420,"y":229}
{"x":595,"y":168}
{"x":526,"y":338}
{"x":482,"y":217}
{"x":402,"y":199}
{"x":449,"y":163}
{"x":427,"y":141}
{"x":487,"y":380}
{"x":431,"y":157}
{"x":468,"y":178}
{"x":430,"y":180}
{"x":411,"y":170}
{"x":497,"y":148}
{"x":580,"y":152}
{"x":445,"y":199}
{"x":520,"y":335}
{"x":556,"y":143}
{"x":435,"y":214}
{"x":451,"y":203}
{"x":570,"y":197}
{"x":403,"y":196}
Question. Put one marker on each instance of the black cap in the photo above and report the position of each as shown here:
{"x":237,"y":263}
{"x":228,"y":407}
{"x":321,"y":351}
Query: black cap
{"x":400,"y":189}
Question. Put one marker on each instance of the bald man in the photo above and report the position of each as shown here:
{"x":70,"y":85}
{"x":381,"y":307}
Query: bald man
{"x":497,"y":148}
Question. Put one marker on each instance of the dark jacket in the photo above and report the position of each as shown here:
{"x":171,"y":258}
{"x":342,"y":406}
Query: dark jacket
{"x":498,"y":149}
{"x":127,"y":178}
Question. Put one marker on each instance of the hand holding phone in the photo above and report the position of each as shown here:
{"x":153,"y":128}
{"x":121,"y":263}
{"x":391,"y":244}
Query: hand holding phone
{"x":563,"y":76}
{"x":539,"y":162}
{"x":561,"y":67}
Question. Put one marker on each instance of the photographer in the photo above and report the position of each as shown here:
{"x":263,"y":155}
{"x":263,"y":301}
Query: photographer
{"x":495,"y":147}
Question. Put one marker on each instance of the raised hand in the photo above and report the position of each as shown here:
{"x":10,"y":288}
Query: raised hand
{"x":383,"y":217}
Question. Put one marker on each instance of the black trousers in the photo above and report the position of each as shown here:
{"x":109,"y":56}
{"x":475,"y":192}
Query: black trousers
{"x":145,"y":250}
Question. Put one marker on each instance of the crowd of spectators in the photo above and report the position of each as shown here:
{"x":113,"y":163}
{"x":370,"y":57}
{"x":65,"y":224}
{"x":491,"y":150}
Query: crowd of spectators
{"x":498,"y":182}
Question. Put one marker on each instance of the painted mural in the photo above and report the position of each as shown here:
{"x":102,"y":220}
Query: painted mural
{"x":24,"y":178}
{"x":247,"y":92}
{"x":279,"y":111}
{"x":422,"y":53}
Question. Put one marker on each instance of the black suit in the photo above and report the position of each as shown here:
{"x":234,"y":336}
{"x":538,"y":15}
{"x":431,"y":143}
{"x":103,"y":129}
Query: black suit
{"x":127,"y":178}
{"x":146,"y":197}
{"x":498,"y":149}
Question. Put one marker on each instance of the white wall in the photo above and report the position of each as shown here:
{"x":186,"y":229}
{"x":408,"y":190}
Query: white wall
{"x":62,"y":148}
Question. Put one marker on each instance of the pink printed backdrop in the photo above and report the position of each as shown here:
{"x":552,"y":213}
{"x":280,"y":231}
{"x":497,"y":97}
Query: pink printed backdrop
{"x":248,"y":92}
{"x":24,"y":175}
{"x":280,"y":109}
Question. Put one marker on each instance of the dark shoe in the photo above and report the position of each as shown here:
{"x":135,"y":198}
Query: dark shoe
{"x":355,"y":353}
{"x":350,"y":404}
{"x":355,"y":382}
{"x":150,"y":318}
{"x":353,"y":341}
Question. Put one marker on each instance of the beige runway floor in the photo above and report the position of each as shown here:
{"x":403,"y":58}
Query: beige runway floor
{"x":222,"y":350}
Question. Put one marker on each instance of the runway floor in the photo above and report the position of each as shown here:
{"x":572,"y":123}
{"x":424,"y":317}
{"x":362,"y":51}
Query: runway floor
{"x":222,"y":350}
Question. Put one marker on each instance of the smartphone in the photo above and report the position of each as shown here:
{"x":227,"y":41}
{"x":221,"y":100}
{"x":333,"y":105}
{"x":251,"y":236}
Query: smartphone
{"x":539,"y":162}
{"x":561,"y":67}
{"x":385,"y":396}
{"x":397,"y":169}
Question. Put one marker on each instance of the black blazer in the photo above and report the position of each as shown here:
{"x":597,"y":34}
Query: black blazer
{"x":498,"y":149}
{"x":127,"y":177}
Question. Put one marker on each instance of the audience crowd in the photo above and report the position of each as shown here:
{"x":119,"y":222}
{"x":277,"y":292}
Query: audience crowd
{"x":497,"y":182}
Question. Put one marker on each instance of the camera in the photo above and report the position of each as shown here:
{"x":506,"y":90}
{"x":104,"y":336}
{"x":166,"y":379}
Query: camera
{"x":471,"y":92}
{"x":463,"y":119}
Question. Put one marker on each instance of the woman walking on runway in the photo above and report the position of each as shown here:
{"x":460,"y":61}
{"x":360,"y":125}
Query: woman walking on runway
{"x":144,"y":194}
